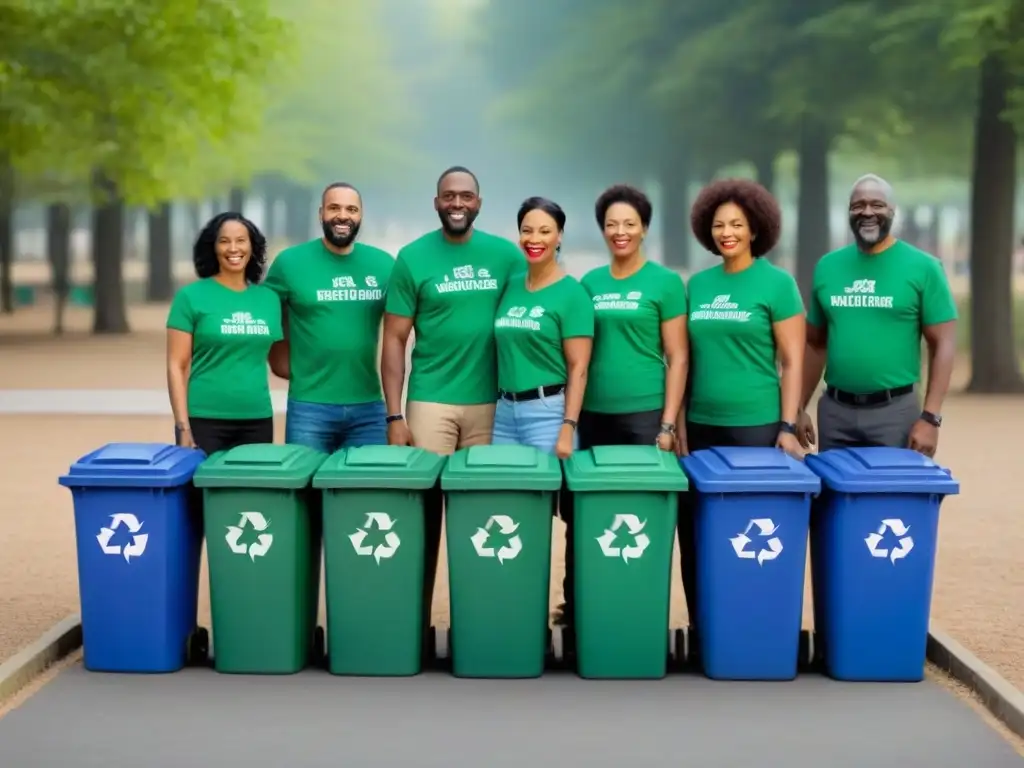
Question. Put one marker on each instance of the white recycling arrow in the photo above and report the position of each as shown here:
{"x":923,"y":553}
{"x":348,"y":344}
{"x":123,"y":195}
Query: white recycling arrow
{"x":635,"y":526}
{"x":765,"y":528}
{"x":384,"y":550}
{"x":903,"y":546}
{"x":507,"y":526}
{"x":139,"y":540}
{"x":258,"y":548}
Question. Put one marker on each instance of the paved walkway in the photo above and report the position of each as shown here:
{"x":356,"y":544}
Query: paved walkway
{"x":98,"y":402}
{"x":314,"y":719}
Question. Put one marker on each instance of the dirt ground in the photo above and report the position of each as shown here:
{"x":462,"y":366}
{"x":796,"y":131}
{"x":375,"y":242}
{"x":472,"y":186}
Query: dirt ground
{"x":979,"y":588}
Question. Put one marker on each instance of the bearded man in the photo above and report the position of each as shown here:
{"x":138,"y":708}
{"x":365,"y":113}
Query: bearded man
{"x":871,"y":303}
{"x":332,"y":293}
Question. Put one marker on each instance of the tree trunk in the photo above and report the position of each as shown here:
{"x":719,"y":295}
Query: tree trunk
{"x":194,"y":222}
{"x":764,"y":167}
{"x":160,"y":283}
{"x":299,"y":215}
{"x":676,"y":247}
{"x":6,"y":236}
{"x":110,"y":313}
{"x":58,"y":253}
{"x":813,"y":235}
{"x":236,"y":199}
{"x":994,"y":366}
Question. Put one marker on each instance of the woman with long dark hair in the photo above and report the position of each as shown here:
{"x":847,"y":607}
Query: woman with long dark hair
{"x":220,"y":329}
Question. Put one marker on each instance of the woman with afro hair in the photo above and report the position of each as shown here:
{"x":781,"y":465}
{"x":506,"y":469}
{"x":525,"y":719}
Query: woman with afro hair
{"x":746,"y":324}
{"x":220,"y":329}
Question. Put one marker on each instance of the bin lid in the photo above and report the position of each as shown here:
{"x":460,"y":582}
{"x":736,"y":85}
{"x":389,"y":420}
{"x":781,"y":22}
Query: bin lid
{"x":502,"y":468}
{"x":134,"y":465}
{"x":624,"y":468}
{"x":380,"y":466}
{"x":746,"y":469}
{"x":260,"y":465}
{"x":881,"y":470}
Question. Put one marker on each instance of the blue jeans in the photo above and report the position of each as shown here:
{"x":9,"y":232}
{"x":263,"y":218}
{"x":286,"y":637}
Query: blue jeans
{"x":533,"y":422}
{"x":330,"y":427}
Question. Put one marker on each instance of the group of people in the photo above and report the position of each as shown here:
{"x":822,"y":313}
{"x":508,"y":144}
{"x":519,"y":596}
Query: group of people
{"x":511,"y":349}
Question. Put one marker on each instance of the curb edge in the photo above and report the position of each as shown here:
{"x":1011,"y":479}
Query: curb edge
{"x":998,"y":695}
{"x":61,"y":640}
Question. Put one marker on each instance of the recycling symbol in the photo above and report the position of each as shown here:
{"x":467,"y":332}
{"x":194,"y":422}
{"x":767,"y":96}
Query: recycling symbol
{"x":772,"y":547}
{"x":128,"y":551}
{"x":635,"y":527}
{"x":507,"y":526}
{"x":384,"y":550}
{"x":258,"y":548}
{"x":903,"y":545}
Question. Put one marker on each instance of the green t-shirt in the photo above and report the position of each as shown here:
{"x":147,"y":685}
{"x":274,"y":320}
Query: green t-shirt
{"x":232,"y":332}
{"x":335,"y":305}
{"x":452,"y":291}
{"x":874,"y":307}
{"x":530,"y":328}
{"x":627,"y":366}
{"x":735,"y":378}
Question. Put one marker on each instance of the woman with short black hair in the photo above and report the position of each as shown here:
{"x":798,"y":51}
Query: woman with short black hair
{"x":219,"y":332}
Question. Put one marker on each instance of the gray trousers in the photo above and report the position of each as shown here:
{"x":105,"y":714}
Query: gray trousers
{"x":847,"y":426}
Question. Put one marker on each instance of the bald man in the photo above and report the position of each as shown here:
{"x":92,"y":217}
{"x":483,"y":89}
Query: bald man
{"x":871,"y":303}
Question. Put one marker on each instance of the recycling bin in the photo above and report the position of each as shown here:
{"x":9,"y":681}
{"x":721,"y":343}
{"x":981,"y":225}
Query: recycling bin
{"x":263,"y":532}
{"x":375,"y":499}
{"x":499,"y":505}
{"x":752,"y":515}
{"x":873,"y":537}
{"x":625,"y":507}
{"x":139,"y":537}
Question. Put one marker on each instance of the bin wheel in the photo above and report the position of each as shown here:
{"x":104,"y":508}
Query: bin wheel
{"x":198,"y":651}
{"x":319,"y":647}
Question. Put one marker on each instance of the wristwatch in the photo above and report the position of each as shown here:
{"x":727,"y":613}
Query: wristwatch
{"x":667,"y":428}
{"x":932,"y":418}
{"x":788,"y":427}
{"x":396,"y":417}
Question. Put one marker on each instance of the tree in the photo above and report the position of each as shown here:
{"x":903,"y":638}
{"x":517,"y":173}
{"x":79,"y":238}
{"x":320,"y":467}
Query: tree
{"x":142,"y":88}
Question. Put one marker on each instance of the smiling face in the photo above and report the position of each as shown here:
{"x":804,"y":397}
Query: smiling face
{"x":623,"y":230}
{"x":341,"y":216}
{"x":233,"y":247}
{"x":731,"y":231}
{"x":539,"y":237}
{"x":457,"y":203}
{"x":871,"y":214}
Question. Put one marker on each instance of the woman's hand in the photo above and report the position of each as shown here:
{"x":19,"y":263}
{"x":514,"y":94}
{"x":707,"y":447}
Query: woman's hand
{"x":563,"y":446}
{"x":790,"y":444}
{"x":666,"y":441}
{"x":184,"y":437}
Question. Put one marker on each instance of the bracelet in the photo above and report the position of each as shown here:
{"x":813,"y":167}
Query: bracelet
{"x":396,"y":417}
{"x":570,"y":422}
{"x":667,"y":428}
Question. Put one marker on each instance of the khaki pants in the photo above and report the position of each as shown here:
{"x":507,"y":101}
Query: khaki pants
{"x":444,"y":429}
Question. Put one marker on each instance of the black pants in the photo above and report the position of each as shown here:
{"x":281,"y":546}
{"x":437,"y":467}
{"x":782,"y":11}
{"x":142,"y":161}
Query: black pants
{"x":640,"y":428}
{"x":212,"y":435}
{"x":700,"y":437}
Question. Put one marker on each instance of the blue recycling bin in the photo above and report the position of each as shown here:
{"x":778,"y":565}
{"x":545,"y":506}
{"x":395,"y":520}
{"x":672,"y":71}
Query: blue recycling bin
{"x":138,"y":526}
{"x":751,"y":518}
{"x":873,"y":536}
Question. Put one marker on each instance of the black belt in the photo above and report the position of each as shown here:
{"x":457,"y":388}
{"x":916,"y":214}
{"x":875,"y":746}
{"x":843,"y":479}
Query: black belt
{"x":868,"y":398}
{"x":533,"y":394}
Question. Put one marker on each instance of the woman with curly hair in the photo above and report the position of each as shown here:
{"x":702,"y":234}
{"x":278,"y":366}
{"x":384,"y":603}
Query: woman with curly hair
{"x":219,"y":332}
{"x":747,"y":336}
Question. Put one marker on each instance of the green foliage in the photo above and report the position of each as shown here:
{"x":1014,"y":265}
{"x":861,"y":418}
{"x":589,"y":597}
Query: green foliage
{"x":132,"y":90}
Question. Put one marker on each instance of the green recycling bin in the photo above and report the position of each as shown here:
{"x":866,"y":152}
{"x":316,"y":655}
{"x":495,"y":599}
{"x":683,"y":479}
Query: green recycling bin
{"x":499,"y":503}
{"x":375,"y":499}
{"x":625,"y":512}
{"x":262,"y":524}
